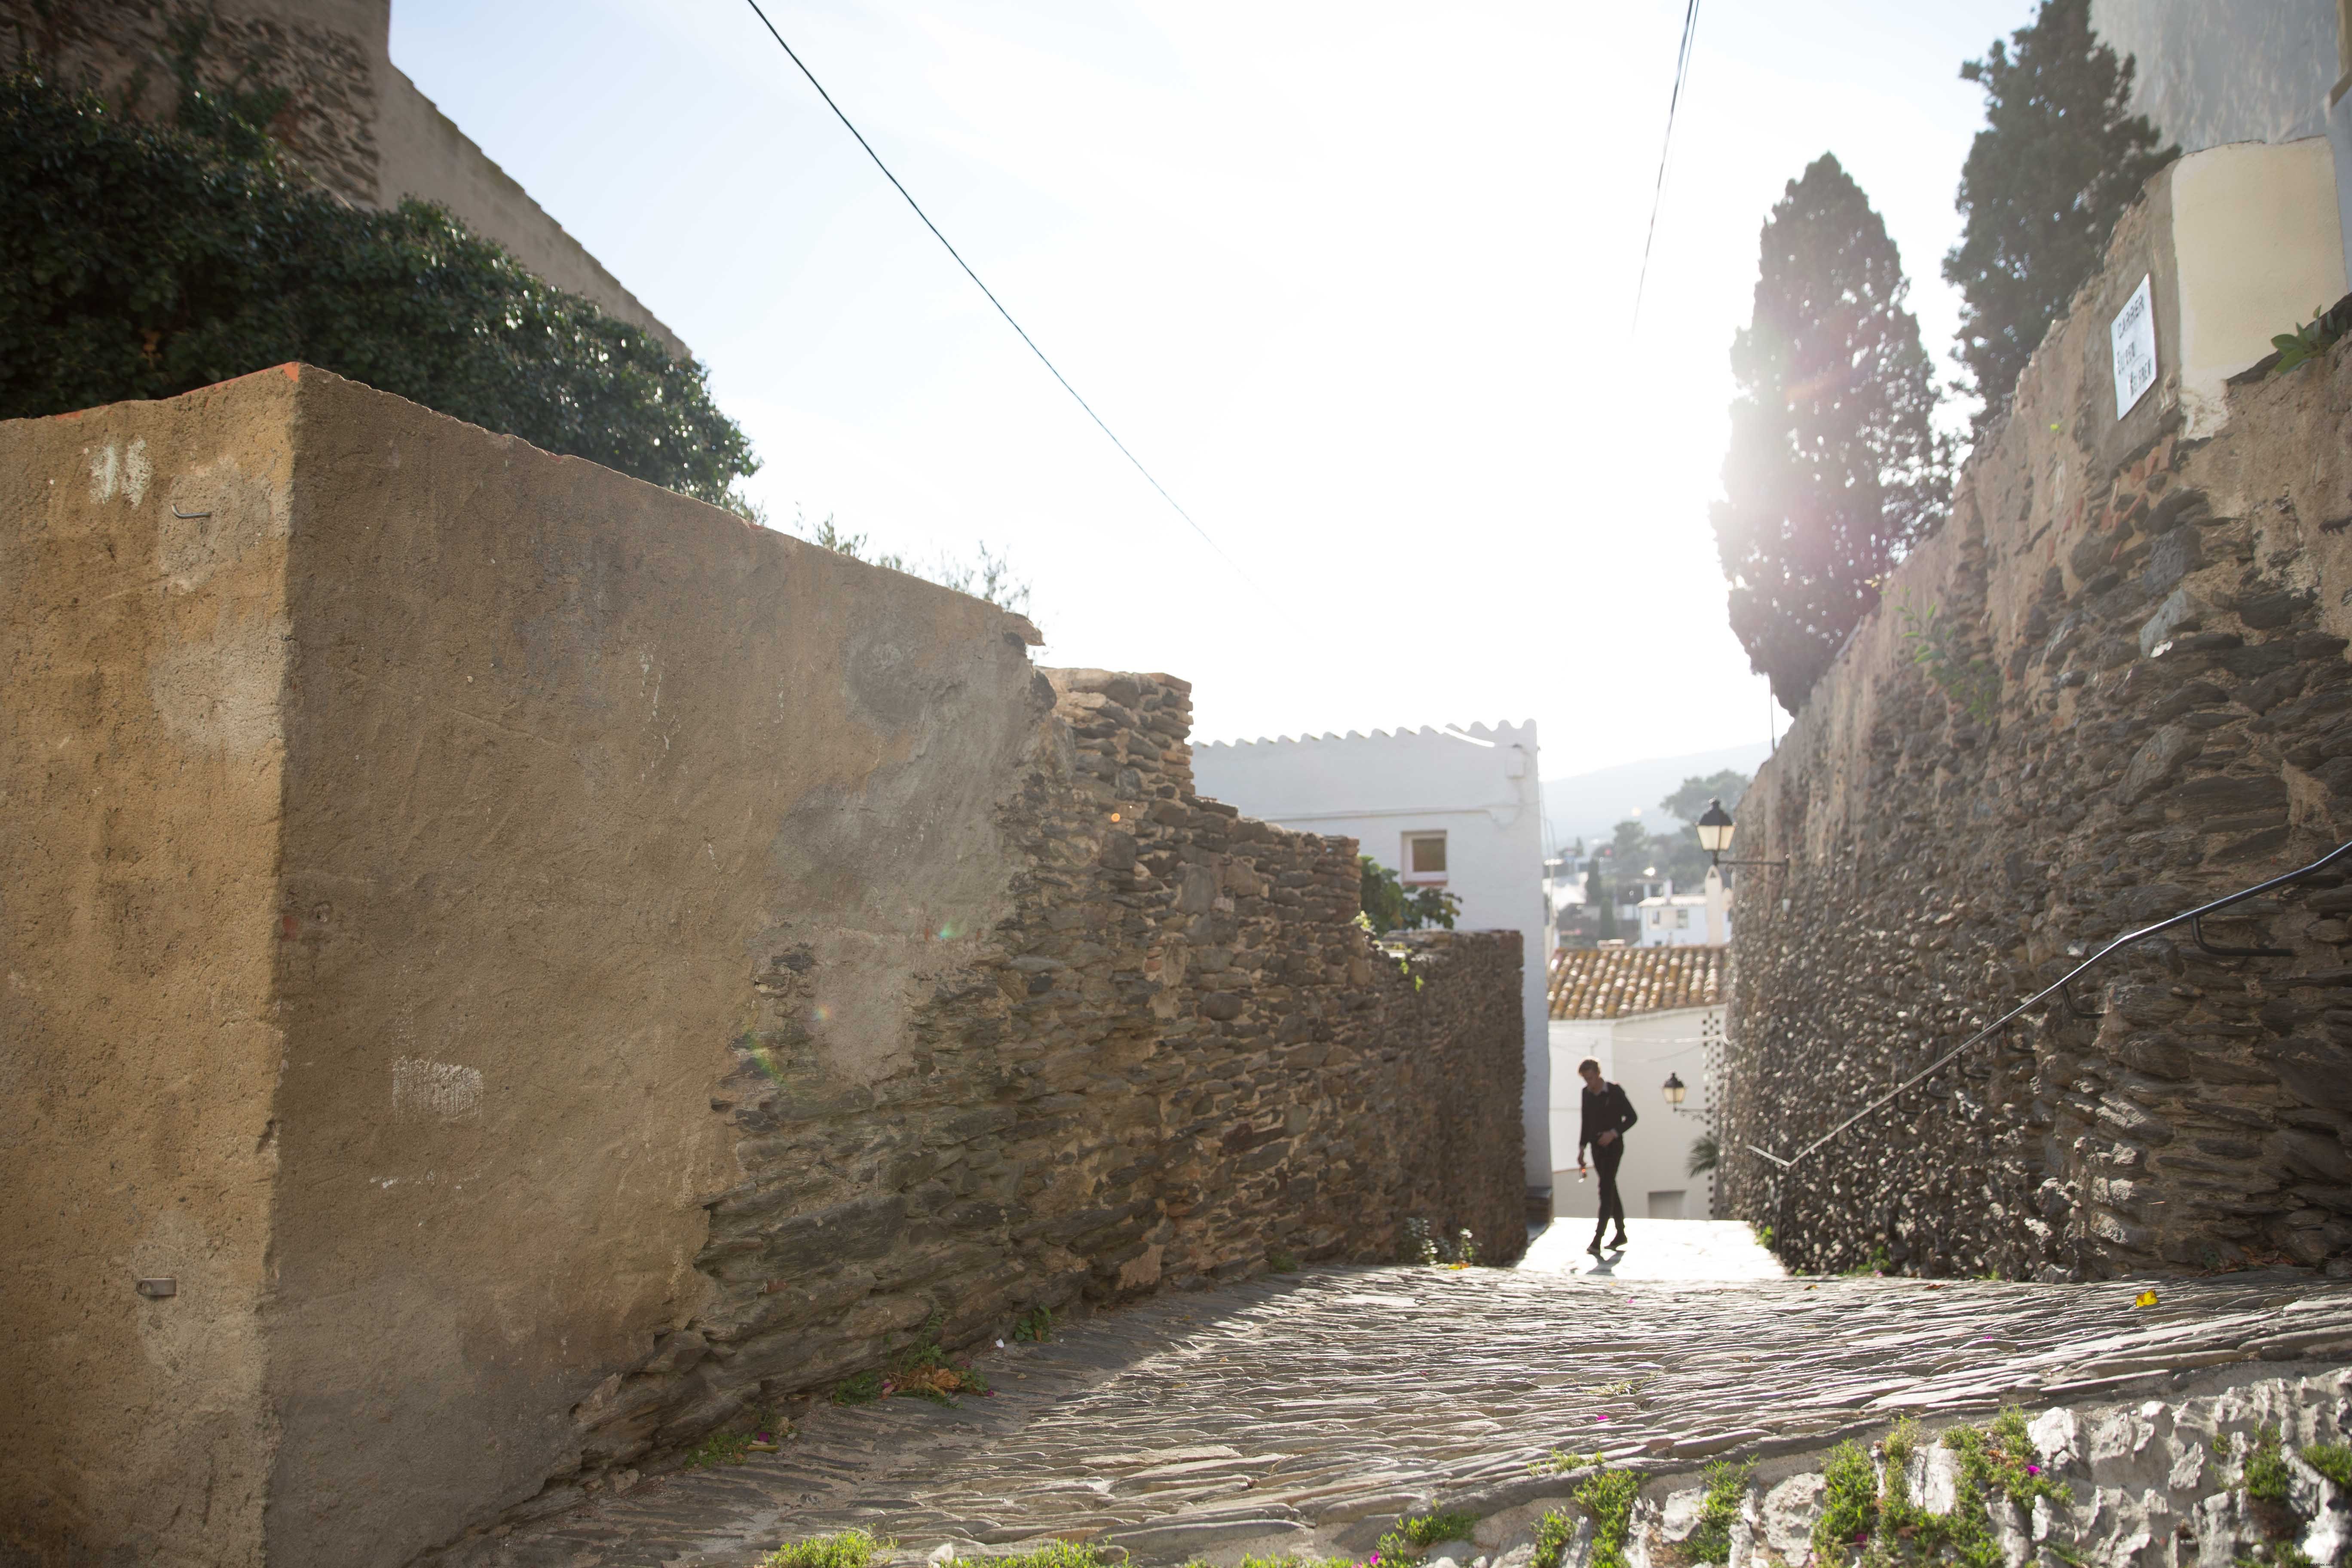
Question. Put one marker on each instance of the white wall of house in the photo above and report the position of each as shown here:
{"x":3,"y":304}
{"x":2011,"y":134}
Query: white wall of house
{"x":1687,"y":919}
{"x":1475,"y":789}
{"x":1637,"y":1052}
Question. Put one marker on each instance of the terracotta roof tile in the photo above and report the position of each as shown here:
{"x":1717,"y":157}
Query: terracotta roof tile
{"x":1618,"y":982}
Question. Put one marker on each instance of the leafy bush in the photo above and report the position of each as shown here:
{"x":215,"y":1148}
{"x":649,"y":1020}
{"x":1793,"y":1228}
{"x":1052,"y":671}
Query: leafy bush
{"x":2266,"y":1478}
{"x":141,"y":261}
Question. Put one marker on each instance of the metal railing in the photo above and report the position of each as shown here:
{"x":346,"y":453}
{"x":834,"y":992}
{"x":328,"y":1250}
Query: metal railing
{"x":2060,"y":989}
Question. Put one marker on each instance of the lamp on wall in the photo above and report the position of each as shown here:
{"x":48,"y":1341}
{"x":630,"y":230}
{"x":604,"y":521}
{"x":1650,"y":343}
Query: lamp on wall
{"x":1714,"y":830}
{"x":1675,"y":1090}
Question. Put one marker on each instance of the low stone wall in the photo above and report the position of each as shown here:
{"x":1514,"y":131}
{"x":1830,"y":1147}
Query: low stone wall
{"x":1176,"y":1059}
{"x":2168,"y":719}
{"x":544,"y":970}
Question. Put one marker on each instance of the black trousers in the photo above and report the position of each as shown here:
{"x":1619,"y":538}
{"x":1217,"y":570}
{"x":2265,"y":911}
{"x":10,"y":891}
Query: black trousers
{"x":1606,"y":1158}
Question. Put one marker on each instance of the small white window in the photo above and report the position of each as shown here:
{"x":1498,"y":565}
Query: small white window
{"x":1425,"y":858}
{"x":1682,"y":919}
{"x":1657,"y":916}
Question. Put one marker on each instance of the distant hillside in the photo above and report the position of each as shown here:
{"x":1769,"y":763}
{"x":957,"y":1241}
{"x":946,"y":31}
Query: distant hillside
{"x":1588,"y":805}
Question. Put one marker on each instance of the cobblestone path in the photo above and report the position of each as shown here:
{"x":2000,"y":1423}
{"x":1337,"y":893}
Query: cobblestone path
{"x":1305,"y":1411}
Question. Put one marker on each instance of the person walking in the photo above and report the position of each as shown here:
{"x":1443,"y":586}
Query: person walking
{"x":1607,"y":1116}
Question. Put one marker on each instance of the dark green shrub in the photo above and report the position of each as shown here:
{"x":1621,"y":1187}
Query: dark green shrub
{"x":140,"y":261}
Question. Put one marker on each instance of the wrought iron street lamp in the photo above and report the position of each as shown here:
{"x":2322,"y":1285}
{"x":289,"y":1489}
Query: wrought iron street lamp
{"x":1675,"y":1090}
{"x":1715,"y":829}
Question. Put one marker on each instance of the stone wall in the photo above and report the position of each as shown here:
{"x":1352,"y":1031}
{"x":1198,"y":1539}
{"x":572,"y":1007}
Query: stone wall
{"x":353,"y":123}
{"x":546,"y":970}
{"x":2167,"y":613}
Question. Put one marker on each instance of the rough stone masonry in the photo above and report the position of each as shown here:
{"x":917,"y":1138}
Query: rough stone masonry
{"x":508,"y":969}
{"x":2133,"y":698}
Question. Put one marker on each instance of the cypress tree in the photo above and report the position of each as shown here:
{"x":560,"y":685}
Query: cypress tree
{"x":2059,"y":160}
{"x":1834,"y":469}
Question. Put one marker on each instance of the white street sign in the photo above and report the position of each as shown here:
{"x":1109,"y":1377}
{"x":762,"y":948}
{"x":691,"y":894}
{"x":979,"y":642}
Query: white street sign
{"x":2133,"y":333}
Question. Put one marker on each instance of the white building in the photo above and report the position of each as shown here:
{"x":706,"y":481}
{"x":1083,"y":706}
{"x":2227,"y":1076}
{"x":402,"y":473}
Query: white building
{"x":1687,"y":919}
{"x":1458,"y":809}
{"x":1644,"y":1014}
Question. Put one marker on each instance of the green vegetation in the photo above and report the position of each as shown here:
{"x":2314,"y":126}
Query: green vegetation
{"x":1718,"y":1510}
{"x":1849,"y":1502}
{"x":859,"y":1388}
{"x":1555,"y":1533}
{"x":143,"y":261}
{"x":718,"y":1449}
{"x":2307,"y":342}
{"x":1889,"y":1529}
{"x":1282,"y":1262}
{"x":1033,"y":1327}
{"x":922,"y":1369}
{"x":850,"y":1549}
{"x":1053,"y":1555}
{"x":2059,"y":160}
{"x":2333,"y":1461}
{"x":1388,"y":906}
{"x":1559,"y":1462}
{"x":1973,"y":684}
{"x":1834,"y":469}
{"x":2265,"y":1476}
{"x":1706,"y":1154}
{"x":1608,"y":1496}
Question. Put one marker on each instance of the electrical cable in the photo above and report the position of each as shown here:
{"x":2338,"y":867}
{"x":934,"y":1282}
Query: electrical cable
{"x":984,"y":288}
{"x":1658,"y":194}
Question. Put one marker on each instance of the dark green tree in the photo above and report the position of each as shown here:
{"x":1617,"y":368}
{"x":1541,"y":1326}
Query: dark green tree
{"x":2059,"y":160}
{"x":1689,"y":801}
{"x":1834,"y":469}
{"x":141,"y":261}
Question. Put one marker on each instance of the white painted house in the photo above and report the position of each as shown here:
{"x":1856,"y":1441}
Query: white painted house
{"x":1454,"y":808}
{"x":1644,"y":1014}
{"x":1687,"y":919}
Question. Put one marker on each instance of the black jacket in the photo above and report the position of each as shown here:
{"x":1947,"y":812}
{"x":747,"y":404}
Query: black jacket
{"x":1606,"y":1111}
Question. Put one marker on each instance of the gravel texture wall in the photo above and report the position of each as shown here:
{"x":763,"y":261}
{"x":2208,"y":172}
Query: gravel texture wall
{"x":544,"y":969}
{"x":2133,"y":698}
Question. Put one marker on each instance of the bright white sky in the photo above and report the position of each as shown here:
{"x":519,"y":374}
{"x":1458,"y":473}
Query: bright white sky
{"x":1355,"y":282}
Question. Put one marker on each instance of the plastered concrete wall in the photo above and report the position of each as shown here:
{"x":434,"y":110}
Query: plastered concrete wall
{"x":141,"y":758}
{"x":2215,"y":71}
{"x":353,"y":122}
{"x":551,"y":970}
{"x":2164,"y":600}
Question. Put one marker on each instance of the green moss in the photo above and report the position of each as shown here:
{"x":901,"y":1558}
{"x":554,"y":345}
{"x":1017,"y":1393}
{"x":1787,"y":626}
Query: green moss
{"x":1718,"y":1510}
{"x":850,"y":1549}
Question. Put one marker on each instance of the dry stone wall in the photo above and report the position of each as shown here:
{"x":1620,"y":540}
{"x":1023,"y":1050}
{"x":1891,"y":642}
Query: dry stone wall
{"x":2133,"y":698}
{"x":509,"y":968}
{"x":1179,"y":1059}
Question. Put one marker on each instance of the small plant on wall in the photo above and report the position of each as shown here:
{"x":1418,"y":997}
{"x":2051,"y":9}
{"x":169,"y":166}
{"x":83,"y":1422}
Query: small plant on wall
{"x":1973,"y":683}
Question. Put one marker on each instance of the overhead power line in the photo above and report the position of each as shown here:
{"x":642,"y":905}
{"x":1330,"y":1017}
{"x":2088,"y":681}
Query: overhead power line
{"x":791,"y":55}
{"x":1658,"y":194}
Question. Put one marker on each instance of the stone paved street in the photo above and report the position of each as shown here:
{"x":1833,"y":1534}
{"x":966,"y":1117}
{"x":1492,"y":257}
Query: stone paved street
{"x":1661,"y":1249}
{"x":1304,"y":1412}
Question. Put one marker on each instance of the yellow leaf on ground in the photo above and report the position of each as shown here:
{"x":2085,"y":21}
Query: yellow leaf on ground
{"x":2145,"y":1299}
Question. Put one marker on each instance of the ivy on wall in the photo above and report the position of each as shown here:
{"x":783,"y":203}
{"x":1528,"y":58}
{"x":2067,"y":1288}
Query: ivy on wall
{"x":141,"y":261}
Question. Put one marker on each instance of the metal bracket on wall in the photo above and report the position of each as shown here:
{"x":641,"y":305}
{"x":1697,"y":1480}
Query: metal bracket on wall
{"x":2066,"y":996}
{"x":2197,"y":935}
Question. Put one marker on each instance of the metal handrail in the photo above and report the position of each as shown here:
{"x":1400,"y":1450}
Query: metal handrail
{"x":2193,"y":918}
